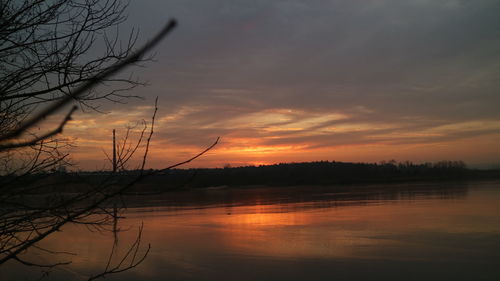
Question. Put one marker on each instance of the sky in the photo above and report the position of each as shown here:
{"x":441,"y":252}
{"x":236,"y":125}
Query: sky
{"x":293,"y":81}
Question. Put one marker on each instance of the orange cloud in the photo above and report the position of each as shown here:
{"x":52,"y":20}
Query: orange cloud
{"x":278,"y":135}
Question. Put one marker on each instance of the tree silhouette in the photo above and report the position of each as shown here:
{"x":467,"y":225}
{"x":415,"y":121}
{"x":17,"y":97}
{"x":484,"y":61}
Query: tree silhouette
{"x":44,"y":68}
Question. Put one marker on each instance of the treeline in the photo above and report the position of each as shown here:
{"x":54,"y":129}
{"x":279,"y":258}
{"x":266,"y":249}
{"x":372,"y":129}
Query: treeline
{"x":318,"y":173}
{"x":284,"y":174}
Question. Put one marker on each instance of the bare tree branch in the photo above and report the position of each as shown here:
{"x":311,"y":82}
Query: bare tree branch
{"x":45,"y":136}
{"x":52,"y":109}
{"x":193,"y":158}
{"x":150,"y":135}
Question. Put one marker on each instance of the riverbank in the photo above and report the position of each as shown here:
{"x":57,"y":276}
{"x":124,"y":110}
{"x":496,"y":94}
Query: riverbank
{"x":309,"y":174}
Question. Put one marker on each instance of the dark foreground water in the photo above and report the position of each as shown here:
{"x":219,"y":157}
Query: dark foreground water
{"x":406,"y":232}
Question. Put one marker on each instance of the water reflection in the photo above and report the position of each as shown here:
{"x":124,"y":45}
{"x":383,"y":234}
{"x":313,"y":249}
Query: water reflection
{"x":420,"y":232}
{"x":314,"y":196}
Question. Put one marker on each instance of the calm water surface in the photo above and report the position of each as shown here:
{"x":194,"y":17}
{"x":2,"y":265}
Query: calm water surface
{"x":407,"y":232}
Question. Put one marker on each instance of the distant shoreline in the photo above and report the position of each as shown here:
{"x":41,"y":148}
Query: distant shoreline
{"x":322,"y":173}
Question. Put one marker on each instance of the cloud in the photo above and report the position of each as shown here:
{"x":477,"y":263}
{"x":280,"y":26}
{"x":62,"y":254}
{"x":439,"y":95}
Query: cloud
{"x":317,"y":74}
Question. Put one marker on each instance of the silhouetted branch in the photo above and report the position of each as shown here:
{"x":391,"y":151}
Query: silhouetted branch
{"x":52,"y":265}
{"x":40,"y":67}
{"x":23,"y":226}
{"x":131,"y":255}
{"x":91,"y":83}
{"x":150,"y":135}
{"x":45,"y":136}
{"x":193,"y":158}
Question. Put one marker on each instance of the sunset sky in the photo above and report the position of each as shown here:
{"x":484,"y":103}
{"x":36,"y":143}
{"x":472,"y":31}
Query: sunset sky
{"x":292,"y":81}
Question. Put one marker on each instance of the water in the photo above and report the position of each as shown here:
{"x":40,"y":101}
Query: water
{"x":398,"y":232}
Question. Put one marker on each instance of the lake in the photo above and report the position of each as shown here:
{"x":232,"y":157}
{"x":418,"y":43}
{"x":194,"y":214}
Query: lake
{"x":425,"y":231}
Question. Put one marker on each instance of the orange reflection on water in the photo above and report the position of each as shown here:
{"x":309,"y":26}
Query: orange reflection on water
{"x":191,"y":241}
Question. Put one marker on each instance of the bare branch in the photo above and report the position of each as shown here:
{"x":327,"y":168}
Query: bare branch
{"x":45,"y":136}
{"x":91,"y":83}
{"x":193,"y":158}
{"x":150,"y":135}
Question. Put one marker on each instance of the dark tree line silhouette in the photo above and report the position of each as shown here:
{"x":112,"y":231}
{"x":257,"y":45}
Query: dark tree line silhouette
{"x":284,"y":174}
{"x":314,"y":173}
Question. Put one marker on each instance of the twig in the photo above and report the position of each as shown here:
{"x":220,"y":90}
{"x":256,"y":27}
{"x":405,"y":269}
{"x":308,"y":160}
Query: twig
{"x":193,"y":158}
{"x":136,"y":56}
{"x":149,"y":137}
{"x":34,"y":141}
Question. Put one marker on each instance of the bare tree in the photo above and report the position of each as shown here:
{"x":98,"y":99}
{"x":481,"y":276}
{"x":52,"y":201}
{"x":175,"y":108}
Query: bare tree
{"x":45,"y":67}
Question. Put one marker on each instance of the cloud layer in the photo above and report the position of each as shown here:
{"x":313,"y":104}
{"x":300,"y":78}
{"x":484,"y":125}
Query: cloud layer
{"x":333,"y":80}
